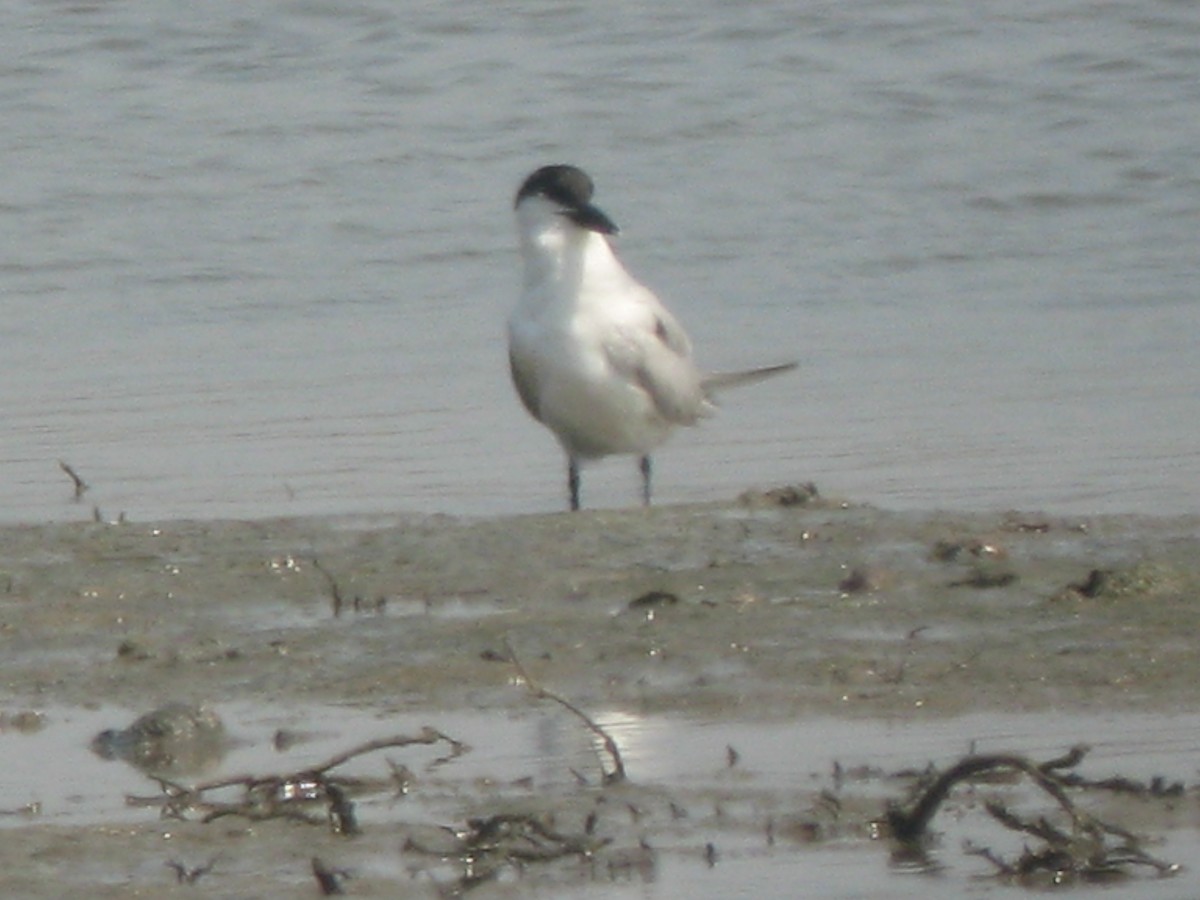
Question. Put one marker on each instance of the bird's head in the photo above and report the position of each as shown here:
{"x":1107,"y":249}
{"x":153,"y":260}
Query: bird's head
{"x":564,"y":193}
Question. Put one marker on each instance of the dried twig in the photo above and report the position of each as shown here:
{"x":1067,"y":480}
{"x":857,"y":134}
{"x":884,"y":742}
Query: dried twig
{"x":1002,"y":867}
{"x":328,"y":880}
{"x":1083,"y":851}
{"x":617,"y":775}
{"x":186,"y":875}
{"x":910,"y":826}
{"x":81,"y":486}
{"x":338,"y":600}
{"x":335,"y":591}
{"x":487,"y":845}
{"x":283,"y":796}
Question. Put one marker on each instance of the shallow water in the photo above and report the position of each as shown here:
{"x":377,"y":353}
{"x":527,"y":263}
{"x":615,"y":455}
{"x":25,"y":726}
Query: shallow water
{"x":258,"y":255}
{"x":780,"y":770}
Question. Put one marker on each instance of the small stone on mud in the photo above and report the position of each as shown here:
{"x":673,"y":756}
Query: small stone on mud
{"x":1144,"y":579}
{"x":985,"y":576}
{"x":285,"y":739}
{"x":133,"y":651}
{"x":979,"y":548}
{"x":26,"y":721}
{"x":654,"y":600}
{"x":866,"y":579}
{"x":175,"y":738}
{"x":788,"y":495}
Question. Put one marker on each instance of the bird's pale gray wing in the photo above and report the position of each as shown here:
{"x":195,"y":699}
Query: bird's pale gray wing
{"x":525,"y":382}
{"x":655,"y":354}
{"x":670,"y":333}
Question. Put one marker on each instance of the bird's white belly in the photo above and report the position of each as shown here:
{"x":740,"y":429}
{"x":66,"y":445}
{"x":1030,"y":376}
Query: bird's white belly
{"x":597,"y":417}
{"x":594,"y":410}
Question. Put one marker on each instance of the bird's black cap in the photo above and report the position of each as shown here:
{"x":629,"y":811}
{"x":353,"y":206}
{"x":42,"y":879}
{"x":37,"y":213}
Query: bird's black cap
{"x":572,"y":189}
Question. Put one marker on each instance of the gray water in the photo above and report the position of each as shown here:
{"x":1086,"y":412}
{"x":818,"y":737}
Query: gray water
{"x":256,"y":256}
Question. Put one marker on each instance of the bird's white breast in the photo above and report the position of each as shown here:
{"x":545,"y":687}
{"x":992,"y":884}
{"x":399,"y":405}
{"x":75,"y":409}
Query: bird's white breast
{"x":580,"y":334}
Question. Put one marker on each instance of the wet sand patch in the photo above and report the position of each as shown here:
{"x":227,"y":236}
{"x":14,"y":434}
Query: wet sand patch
{"x":769,"y":648}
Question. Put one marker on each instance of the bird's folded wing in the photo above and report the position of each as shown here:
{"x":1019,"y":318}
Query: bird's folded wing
{"x":655,"y":355}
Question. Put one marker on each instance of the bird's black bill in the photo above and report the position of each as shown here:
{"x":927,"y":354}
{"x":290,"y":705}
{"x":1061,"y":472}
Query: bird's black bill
{"x":591,"y":218}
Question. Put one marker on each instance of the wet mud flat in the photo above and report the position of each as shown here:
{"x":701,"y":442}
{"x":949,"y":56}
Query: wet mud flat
{"x":772,"y":672}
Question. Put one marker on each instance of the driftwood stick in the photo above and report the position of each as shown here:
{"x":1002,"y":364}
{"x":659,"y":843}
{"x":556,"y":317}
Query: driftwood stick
{"x":81,"y":486}
{"x":909,"y":826}
{"x":617,"y":774}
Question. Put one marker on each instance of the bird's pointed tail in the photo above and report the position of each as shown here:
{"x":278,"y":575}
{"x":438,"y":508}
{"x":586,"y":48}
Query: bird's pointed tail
{"x":719,"y":381}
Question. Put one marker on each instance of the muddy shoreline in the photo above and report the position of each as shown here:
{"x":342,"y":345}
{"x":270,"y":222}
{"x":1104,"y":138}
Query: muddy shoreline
{"x":770,"y":608}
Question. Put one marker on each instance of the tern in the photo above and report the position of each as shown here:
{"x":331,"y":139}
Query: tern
{"x":595,"y":356}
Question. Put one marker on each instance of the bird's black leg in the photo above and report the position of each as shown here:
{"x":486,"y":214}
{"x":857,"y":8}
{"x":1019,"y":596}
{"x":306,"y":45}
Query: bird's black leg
{"x":644,"y":466}
{"x":573,"y":482}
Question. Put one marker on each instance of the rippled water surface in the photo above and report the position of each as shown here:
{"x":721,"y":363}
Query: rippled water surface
{"x":257,"y":256}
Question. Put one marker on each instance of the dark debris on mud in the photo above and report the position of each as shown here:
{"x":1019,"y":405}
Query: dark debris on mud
{"x":1064,"y":842}
{"x":698,"y":587}
{"x":1080,"y":847}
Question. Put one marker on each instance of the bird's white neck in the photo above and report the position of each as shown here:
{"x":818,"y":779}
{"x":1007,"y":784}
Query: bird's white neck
{"x":561,"y":256}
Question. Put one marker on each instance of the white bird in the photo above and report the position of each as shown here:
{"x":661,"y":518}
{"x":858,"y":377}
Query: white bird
{"x":595,"y":356}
